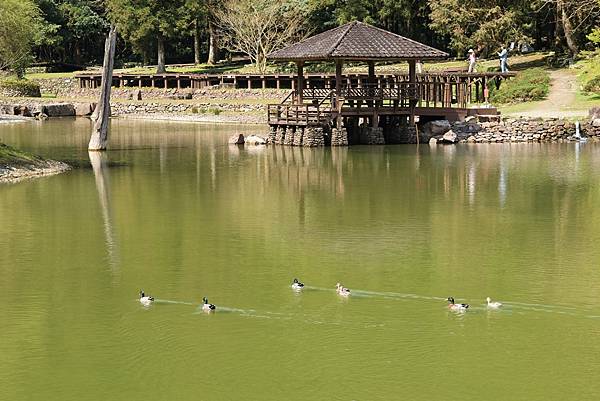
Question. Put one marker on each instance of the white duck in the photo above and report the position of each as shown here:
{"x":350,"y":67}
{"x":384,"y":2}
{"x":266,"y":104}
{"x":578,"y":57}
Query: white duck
{"x":456,"y":307}
{"x":493,"y":305}
{"x":206,"y":307}
{"x":297,"y":285}
{"x":343,"y":291}
{"x":145,"y":300}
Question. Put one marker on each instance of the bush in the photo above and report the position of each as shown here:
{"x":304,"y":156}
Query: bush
{"x":593,"y":85}
{"x":19,"y":88}
{"x":528,"y":85}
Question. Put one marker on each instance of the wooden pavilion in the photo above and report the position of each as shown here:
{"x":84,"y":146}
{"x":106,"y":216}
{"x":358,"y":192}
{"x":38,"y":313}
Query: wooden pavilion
{"x":376,"y":111}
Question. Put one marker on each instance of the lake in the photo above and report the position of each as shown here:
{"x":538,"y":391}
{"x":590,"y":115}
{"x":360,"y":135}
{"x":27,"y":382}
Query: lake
{"x":179,"y":213}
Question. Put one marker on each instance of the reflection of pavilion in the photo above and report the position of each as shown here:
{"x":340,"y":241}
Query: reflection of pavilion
{"x":378,"y":110}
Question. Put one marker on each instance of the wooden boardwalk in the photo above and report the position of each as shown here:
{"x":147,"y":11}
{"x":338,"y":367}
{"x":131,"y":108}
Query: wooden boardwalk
{"x":275,"y":81}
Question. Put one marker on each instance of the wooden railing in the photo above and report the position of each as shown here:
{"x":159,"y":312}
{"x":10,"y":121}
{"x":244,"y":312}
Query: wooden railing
{"x":298,"y":114}
{"x":322,"y":105}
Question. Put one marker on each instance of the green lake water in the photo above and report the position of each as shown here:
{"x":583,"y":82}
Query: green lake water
{"x":183,"y":215}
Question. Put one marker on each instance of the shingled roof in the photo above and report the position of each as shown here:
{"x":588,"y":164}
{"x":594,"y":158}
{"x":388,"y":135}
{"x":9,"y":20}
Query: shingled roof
{"x":357,"y":41}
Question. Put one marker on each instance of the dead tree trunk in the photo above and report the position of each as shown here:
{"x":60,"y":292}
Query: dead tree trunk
{"x":99,"y":138}
{"x":161,"y":68}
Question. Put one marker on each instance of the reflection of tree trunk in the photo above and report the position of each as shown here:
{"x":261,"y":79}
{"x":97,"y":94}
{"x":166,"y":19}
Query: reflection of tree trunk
{"x":99,"y":165}
{"x":567,"y":27}
{"x":99,"y":137}
{"x":213,"y":44}
{"x":161,"y":69}
{"x":196,"y":42}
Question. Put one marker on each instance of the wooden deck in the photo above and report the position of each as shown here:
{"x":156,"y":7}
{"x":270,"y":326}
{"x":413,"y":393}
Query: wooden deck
{"x":452,"y":96}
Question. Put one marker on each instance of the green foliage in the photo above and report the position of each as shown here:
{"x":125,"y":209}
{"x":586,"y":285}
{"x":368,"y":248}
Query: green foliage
{"x":14,"y":157}
{"x":20,"y":27}
{"x":529,"y":85}
{"x":594,"y":36}
{"x":481,"y":25}
{"x":74,"y":30}
{"x":19,"y":87}
{"x":141,"y":21}
{"x":593,"y":85}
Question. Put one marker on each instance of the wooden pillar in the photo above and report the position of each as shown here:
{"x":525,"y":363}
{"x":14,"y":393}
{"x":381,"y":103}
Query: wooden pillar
{"x":371,"y":72}
{"x":166,"y":83}
{"x":338,"y":90}
{"x":300,"y":65}
{"x":412,"y":79}
{"x":249,"y":83}
{"x":264,"y":82}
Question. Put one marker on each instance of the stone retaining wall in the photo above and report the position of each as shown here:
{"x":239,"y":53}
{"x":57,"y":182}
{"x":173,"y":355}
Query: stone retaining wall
{"x":525,"y":130}
{"x":508,"y":130}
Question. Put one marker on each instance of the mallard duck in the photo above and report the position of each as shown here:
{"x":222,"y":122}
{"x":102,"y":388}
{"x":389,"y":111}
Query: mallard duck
{"x":297,"y":285}
{"x":145,"y":299}
{"x":206,"y":306}
{"x":493,"y":305}
{"x":340,"y":289}
{"x":456,"y":307}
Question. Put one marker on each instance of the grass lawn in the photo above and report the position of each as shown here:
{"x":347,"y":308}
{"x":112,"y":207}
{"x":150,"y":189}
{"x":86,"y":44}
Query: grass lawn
{"x":15,"y":157}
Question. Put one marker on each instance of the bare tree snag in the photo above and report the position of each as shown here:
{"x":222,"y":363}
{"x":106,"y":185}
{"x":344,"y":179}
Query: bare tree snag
{"x":99,"y":137}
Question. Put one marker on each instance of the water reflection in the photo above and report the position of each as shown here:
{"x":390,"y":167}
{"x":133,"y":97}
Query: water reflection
{"x":100,"y":167}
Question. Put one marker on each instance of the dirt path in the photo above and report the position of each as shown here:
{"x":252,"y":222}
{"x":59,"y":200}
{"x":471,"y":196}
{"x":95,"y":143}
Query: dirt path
{"x":560,"y":99}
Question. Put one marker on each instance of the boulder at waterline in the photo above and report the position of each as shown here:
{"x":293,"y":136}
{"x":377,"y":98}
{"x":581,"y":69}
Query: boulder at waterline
{"x":449,"y":137}
{"x":255,"y":140}
{"x":59,"y":110}
{"x":434,"y":128}
{"x":237,"y":139}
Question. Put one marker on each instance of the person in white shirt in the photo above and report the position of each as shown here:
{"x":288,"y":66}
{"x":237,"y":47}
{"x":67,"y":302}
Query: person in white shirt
{"x":472,"y":60}
{"x":503,"y":54}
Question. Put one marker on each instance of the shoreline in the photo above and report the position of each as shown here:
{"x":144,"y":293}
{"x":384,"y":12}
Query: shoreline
{"x":16,"y":165}
{"x":193,"y":118}
{"x":12,"y":174}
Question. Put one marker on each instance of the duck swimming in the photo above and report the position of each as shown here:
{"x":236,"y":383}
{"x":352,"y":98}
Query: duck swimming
{"x":145,"y":299}
{"x":206,"y":307}
{"x":297,"y":285}
{"x":343,"y":291}
{"x":493,"y":305}
{"x":456,"y":307}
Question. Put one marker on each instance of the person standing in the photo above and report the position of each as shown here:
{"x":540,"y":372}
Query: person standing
{"x":472,"y":60}
{"x":503,"y":59}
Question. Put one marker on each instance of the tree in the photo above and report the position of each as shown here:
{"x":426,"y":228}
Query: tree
{"x":259,"y":27}
{"x":574,"y":19}
{"x":20,"y":27}
{"x":483,"y":25}
{"x":144,"y":21}
{"x":99,"y":137}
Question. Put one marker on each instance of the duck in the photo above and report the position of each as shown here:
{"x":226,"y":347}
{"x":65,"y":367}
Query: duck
{"x":456,"y":307}
{"x":145,"y":299}
{"x":493,"y":305}
{"x":206,"y":307}
{"x":297,"y":285}
{"x":343,"y":291}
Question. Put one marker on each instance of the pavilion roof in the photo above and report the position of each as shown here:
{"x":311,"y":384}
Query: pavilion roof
{"x":357,"y":41}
